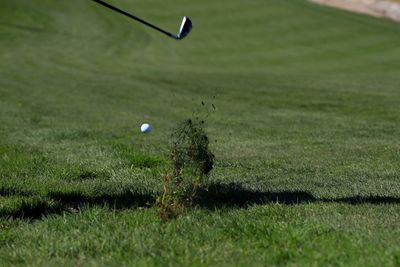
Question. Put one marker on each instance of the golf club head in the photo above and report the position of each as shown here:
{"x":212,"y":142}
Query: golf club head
{"x":185,"y":28}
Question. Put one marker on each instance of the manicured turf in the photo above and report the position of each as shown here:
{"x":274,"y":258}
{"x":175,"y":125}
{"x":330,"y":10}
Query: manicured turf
{"x":305,"y":131}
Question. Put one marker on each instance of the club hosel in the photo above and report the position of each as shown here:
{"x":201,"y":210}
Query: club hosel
{"x":176,"y":37}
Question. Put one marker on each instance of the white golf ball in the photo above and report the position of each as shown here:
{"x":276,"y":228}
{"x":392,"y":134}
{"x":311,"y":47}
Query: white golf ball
{"x":146,"y":128}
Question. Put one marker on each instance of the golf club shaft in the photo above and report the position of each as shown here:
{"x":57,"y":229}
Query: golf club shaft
{"x":133,"y":17}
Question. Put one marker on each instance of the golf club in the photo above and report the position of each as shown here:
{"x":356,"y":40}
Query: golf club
{"x":184,"y":30}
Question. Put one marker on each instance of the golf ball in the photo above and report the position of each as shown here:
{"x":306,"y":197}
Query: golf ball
{"x":146,"y":128}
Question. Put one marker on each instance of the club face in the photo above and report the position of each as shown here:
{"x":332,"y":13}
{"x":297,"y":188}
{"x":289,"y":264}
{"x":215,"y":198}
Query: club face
{"x":185,"y":28}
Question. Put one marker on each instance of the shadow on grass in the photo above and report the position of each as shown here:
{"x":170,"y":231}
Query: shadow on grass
{"x":235,"y":195}
{"x":215,"y":195}
{"x":124,"y":200}
{"x":32,"y":209}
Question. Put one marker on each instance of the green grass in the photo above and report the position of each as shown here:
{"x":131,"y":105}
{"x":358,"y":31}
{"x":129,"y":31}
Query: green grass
{"x":305,"y":134}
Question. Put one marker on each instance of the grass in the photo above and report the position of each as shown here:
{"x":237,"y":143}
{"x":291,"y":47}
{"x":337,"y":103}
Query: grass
{"x":305,"y":134}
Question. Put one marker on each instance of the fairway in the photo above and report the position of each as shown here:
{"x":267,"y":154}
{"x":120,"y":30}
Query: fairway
{"x":302,"y":108}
